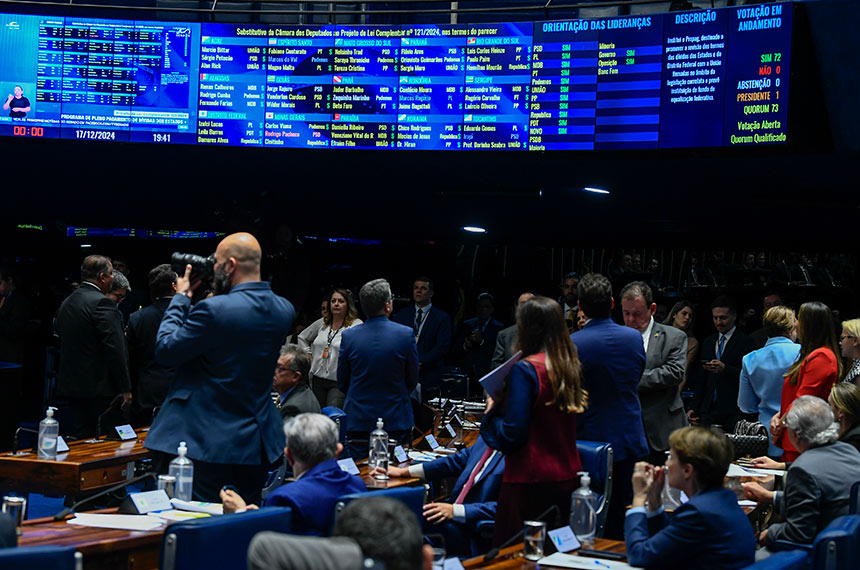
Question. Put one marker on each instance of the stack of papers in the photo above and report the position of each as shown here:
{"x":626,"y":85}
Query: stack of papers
{"x":174,"y":515}
{"x":562,"y":560}
{"x":122,"y":522}
{"x":736,"y":470}
{"x":198,"y":507}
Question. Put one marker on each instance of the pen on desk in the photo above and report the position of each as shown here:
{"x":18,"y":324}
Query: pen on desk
{"x":602,"y":564}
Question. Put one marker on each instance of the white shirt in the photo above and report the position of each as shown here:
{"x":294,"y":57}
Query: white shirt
{"x":315,"y":339}
{"x":728,"y":336}
{"x":646,"y":336}
{"x":424,"y":311}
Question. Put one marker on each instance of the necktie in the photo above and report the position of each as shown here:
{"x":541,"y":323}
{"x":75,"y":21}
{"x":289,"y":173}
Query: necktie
{"x":471,"y":481}
{"x":418,"y":317}
{"x":720,"y":346}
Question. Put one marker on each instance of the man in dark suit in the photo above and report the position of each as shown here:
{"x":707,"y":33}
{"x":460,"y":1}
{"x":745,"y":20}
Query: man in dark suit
{"x":477,"y":467}
{"x":224,"y":349}
{"x":507,"y":339}
{"x":377,"y":369}
{"x":568,"y":299}
{"x":613,"y":359}
{"x":291,"y":383}
{"x":150,"y":379}
{"x":432,"y":332}
{"x":93,"y":359}
{"x":665,"y":363}
{"x":716,"y":399}
{"x":476,"y":339}
{"x":14,"y":312}
{"x":312,"y":450}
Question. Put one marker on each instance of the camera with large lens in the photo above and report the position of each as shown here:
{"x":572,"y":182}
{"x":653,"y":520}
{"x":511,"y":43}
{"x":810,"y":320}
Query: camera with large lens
{"x":202,"y":268}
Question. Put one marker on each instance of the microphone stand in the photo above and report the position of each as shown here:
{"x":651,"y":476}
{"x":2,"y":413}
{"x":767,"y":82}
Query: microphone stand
{"x":70,"y":510}
{"x":495,"y":551}
{"x":101,"y":416}
{"x":15,"y":441}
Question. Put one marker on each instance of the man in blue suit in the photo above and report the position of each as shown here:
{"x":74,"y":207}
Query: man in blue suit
{"x":432,"y":328}
{"x":613,"y":358}
{"x":224,"y":349}
{"x":377,"y":369}
{"x":312,"y":450}
{"x":479,"y":471}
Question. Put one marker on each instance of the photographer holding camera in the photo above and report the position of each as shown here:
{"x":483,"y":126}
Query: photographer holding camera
{"x":224,"y":349}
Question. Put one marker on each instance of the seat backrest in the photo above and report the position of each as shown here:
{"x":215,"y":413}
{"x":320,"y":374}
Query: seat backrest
{"x":854,"y":505}
{"x":275,"y":478}
{"x":40,"y":557}
{"x":339,"y":417}
{"x":412,"y":497}
{"x":837,"y":547}
{"x":596,"y":458}
{"x":220,"y":541}
{"x":783,"y":560}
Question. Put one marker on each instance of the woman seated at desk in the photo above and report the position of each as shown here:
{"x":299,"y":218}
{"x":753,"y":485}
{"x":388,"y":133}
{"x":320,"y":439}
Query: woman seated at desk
{"x":708,"y":531}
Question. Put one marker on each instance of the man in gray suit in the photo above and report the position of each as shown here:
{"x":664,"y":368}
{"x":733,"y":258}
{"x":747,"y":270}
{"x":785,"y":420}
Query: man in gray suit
{"x":665,"y":362}
{"x":507,"y":339}
{"x":291,"y":382}
{"x":818,"y":483}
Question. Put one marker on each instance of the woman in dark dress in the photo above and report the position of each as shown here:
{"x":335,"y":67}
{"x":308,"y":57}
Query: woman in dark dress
{"x":534,"y":423}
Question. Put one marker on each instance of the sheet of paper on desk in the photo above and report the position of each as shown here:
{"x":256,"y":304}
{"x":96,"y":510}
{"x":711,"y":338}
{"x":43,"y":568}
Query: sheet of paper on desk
{"x":494,"y":381}
{"x":175,"y":515}
{"x":561,"y":560}
{"x":736,"y":470}
{"x":198,"y":506}
{"x":746,"y":503}
{"x":122,"y":522}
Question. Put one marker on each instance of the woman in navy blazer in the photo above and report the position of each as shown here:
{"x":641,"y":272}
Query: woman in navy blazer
{"x":708,"y":531}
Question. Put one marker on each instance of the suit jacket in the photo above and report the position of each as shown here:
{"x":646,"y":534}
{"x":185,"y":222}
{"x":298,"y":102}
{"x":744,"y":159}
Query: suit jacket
{"x":377,"y":370}
{"x":433,"y":343}
{"x":275,"y":551}
{"x":505,"y":343}
{"x":716,"y":397}
{"x":613,"y":359}
{"x":224,"y":349}
{"x":92,"y":347}
{"x":313,"y":496}
{"x":708,"y":531}
{"x":13,"y":321}
{"x":301,"y":400}
{"x":480,"y":501}
{"x":150,"y":378}
{"x":476,"y":360}
{"x":817,"y":490}
{"x":665,"y":363}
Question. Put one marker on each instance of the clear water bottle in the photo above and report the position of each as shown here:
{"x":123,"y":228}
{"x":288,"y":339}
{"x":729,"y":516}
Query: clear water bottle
{"x":183,"y":469}
{"x":378,"y":448}
{"x":49,"y":431}
{"x":584,"y":511}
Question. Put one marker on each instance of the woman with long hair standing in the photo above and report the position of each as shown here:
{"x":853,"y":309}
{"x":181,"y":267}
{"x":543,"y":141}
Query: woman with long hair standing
{"x":322,"y":338}
{"x":534,"y":423}
{"x":681,"y":317}
{"x":816,"y":370}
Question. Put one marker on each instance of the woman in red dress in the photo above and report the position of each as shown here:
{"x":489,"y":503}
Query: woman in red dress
{"x":816,"y":371}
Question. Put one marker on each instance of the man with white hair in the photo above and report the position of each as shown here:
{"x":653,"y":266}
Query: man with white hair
{"x":818,"y":483}
{"x":312,"y":450}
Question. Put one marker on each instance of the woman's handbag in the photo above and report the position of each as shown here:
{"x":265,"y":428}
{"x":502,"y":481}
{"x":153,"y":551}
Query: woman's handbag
{"x":749,"y":440}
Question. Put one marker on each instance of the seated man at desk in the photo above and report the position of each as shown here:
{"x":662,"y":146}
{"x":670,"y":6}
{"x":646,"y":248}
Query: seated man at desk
{"x":818,"y":482}
{"x":312,"y":450}
{"x":479,"y":472}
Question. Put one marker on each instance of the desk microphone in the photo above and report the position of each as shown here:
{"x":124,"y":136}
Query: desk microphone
{"x":495,"y":551}
{"x":15,"y":439}
{"x":70,"y":510}
{"x":110,"y":408}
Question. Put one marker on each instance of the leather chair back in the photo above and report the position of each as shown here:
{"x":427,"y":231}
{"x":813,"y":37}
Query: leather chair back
{"x":597,"y":458}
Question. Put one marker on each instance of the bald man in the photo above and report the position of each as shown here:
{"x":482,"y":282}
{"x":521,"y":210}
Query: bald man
{"x":507,"y":339}
{"x":224,"y":350}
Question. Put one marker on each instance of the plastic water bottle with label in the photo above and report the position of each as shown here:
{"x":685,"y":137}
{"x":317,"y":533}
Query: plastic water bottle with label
{"x":49,"y":431}
{"x":584,"y":510}
{"x":377,"y":456}
{"x":182,"y":469}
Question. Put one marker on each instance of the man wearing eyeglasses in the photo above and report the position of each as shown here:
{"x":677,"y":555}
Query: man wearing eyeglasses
{"x":291,"y":383}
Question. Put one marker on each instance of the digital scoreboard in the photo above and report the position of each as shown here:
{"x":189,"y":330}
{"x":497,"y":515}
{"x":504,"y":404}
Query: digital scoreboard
{"x":706,"y":78}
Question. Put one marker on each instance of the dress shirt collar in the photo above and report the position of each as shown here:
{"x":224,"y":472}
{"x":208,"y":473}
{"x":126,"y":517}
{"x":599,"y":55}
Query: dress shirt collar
{"x":424,"y":310}
{"x":91,"y":284}
{"x":285,"y":395}
{"x":646,"y":336}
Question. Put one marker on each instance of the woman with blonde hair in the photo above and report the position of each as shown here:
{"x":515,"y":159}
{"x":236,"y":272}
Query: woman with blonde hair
{"x":534,"y":424}
{"x":849,"y":344}
{"x":681,"y":317}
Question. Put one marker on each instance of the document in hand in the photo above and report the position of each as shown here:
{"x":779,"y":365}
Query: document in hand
{"x":494,"y":381}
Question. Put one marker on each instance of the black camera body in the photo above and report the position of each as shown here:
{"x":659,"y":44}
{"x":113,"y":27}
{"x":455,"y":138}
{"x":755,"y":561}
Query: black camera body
{"x":202,"y":268}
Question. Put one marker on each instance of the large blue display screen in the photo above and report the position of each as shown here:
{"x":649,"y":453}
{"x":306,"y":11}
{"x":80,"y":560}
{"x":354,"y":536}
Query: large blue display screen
{"x":686,"y":79}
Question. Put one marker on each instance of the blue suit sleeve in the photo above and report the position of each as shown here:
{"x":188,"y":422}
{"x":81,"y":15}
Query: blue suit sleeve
{"x":508,"y":433}
{"x":442,"y":344}
{"x":451,"y":466}
{"x":343,"y":365}
{"x":411,"y":365}
{"x":476,"y":512}
{"x":678,"y":540}
{"x":185,"y":331}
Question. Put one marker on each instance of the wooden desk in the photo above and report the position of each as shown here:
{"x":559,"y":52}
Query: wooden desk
{"x":85,"y":467}
{"x":102,"y":548}
{"x":512,"y":557}
{"x":391,"y":483}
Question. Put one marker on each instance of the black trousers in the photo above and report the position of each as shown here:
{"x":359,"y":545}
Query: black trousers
{"x":622,"y":496}
{"x":209,"y":478}
{"x":85,"y":416}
